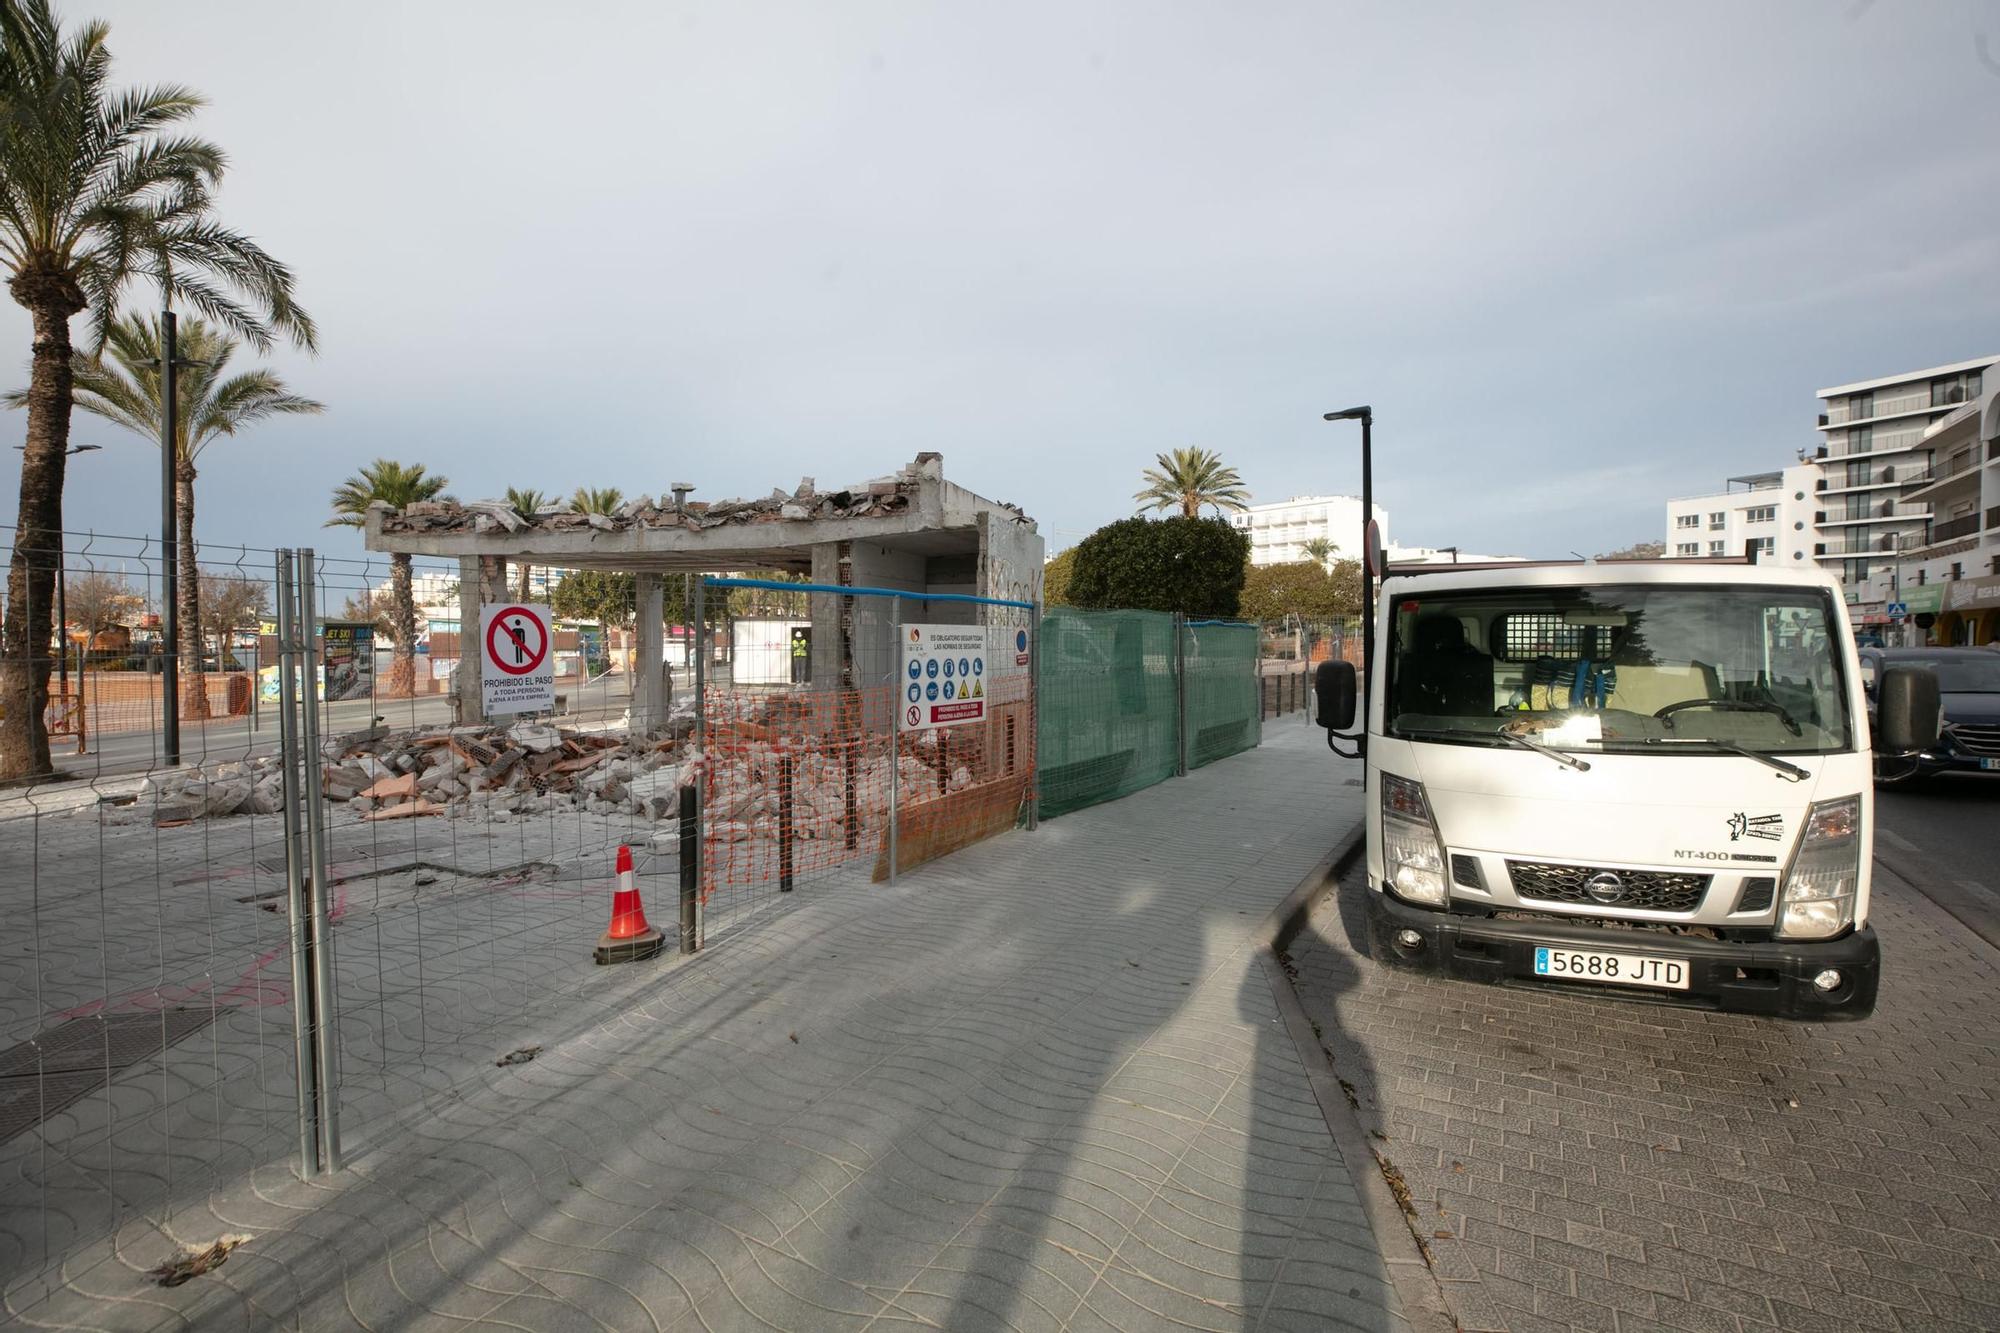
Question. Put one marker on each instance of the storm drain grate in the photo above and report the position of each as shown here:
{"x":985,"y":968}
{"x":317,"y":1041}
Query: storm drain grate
{"x":59,"y":1066}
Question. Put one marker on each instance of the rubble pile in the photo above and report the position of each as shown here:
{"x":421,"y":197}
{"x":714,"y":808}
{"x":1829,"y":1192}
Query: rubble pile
{"x":494,"y":773}
{"x":744,"y":799}
{"x":498,"y":773}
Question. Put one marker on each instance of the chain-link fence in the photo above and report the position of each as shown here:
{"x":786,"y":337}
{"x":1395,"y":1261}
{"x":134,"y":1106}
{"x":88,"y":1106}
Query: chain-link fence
{"x":827,"y":756}
{"x":337,"y":897}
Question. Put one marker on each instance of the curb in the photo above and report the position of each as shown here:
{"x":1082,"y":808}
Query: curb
{"x":1921,"y":885}
{"x":1417,"y":1288}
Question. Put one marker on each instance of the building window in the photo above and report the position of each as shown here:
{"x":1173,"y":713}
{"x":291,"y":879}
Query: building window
{"x":1765,"y":545}
{"x":1715,"y":522}
{"x":1715,"y":548}
{"x":1761,"y":514}
{"x":1688,"y":521}
{"x":1688,"y":548}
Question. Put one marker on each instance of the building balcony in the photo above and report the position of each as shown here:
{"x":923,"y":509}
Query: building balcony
{"x":1902,"y":445}
{"x":1947,"y":477}
{"x":1905,"y":404}
{"x":1884,"y":513}
{"x":1852,"y":546}
{"x":1961,"y":531}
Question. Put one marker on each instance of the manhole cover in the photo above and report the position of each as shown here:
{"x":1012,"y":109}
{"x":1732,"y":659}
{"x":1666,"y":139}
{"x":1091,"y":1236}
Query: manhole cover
{"x":59,"y":1065}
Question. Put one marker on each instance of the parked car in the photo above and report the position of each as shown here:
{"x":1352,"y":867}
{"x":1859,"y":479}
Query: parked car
{"x":1969,"y":690}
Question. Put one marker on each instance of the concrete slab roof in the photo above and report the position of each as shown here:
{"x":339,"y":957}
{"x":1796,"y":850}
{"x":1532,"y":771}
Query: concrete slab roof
{"x":914,"y":509}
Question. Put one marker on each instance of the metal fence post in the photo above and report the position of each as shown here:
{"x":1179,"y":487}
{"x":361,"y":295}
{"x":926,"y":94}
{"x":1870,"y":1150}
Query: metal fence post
{"x":1180,"y":696}
{"x":690,"y":864}
{"x":784,"y":817}
{"x":1035,"y":718}
{"x":326,"y":1034}
{"x":295,"y":898}
{"x":895,"y":726}
{"x":698,"y":651}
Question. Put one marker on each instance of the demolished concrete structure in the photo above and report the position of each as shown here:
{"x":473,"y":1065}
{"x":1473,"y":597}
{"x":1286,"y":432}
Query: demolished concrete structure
{"x":912,"y":531}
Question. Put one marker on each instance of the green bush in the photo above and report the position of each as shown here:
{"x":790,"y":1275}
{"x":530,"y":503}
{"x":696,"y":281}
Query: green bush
{"x":1191,"y":565}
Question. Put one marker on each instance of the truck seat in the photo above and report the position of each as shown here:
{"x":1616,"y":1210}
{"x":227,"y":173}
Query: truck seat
{"x":1442,"y":674}
{"x":1647,"y":689}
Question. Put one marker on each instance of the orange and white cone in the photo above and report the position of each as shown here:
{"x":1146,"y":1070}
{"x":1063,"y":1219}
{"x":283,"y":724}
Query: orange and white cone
{"x":629,"y":938}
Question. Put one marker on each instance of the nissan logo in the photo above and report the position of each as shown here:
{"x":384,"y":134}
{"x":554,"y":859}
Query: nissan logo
{"x":1604,"y":887}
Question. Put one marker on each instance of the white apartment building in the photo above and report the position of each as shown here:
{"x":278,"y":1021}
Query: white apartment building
{"x":1950,"y":570}
{"x":1279,"y":532}
{"x":1876,"y":468}
{"x":1901,"y":503}
{"x":1773,"y":509}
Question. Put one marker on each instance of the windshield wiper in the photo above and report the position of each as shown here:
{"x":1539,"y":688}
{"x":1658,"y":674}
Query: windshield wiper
{"x":1580,"y":765}
{"x":1790,"y":770}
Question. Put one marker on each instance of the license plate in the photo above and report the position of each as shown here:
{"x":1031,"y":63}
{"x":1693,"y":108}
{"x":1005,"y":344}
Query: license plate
{"x":1619,"y":969}
{"x":1990,"y":763}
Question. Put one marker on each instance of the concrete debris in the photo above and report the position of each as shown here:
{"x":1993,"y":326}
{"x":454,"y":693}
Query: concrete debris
{"x":875,"y":499}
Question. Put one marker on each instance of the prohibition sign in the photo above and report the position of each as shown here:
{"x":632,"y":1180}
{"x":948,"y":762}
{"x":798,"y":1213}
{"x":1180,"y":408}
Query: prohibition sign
{"x":513,"y":653}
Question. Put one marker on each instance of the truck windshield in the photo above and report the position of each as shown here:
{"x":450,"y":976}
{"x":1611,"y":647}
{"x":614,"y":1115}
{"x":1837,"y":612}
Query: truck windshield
{"x":1600,"y":668}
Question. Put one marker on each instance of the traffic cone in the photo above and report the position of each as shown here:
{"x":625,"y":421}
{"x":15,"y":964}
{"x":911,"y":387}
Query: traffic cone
{"x":629,"y":938}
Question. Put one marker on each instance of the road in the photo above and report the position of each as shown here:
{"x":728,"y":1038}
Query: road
{"x":1577,"y":1163}
{"x":1940,"y":836}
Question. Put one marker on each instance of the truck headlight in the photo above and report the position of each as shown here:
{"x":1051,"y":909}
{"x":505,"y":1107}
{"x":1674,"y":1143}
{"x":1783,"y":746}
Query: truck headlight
{"x":1412,"y":857}
{"x":1818,"y":899}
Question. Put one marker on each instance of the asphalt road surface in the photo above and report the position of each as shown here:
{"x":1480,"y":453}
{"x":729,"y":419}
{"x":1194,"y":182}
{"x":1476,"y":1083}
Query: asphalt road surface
{"x":1940,"y":836}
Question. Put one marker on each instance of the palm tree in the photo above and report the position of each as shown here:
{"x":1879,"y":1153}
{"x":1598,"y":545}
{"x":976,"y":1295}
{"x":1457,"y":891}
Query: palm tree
{"x":527,"y":503}
{"x":1318,"y":550}
{"x":399,"y":486}
{"x":93,"y":195}
{"x":126,"y":392}
{"x":587,"y":501}
{"x":1190,"y":478}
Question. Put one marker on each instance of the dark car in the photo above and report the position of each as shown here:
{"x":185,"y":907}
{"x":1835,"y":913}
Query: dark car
{"x":1968,"y":690}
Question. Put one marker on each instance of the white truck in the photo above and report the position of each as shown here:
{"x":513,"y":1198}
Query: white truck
{"x":1637,"y":778}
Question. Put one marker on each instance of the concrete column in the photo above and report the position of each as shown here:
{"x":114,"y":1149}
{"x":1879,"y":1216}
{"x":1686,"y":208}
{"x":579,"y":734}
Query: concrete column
{"x":649,"y":695}
{"x":469,"y":602}
{"x":829,"y":667}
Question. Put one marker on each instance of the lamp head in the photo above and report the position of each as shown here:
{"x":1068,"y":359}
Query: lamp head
{"x":1362,"y":413}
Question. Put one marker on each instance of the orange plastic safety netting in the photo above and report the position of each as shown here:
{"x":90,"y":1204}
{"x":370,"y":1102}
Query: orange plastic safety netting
{"x":797,"y":784}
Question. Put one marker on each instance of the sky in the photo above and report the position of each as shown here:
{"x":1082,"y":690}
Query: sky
{"x":1580,"y":258}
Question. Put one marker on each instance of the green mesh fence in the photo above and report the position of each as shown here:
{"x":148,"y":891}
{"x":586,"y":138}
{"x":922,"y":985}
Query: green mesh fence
{"x":1109,"y":701}
{"x":1106,"y":705}
{"x":1220,"y":663}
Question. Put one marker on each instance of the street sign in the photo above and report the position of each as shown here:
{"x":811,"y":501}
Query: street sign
{"x":1897,"y":610}
{"x":517,"y":673}
{"x":943,"y":676}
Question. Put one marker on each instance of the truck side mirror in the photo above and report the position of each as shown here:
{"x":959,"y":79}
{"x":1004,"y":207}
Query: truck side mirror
{"x":1906,"y":710}
{"x":1333,"y":690}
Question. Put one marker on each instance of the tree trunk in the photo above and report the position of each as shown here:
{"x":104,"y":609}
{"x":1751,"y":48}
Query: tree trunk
{"x":25,"y":658}
{"x":403,"y":668}
{"x":187,"y":599}
{"x":525,"y":568}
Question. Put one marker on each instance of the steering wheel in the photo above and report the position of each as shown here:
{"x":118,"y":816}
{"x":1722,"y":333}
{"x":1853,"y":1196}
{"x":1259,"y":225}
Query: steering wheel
{"x":1729,"y":706}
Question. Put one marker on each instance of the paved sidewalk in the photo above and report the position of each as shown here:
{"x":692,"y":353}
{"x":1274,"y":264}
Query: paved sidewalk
{"x":1041,"y":1084}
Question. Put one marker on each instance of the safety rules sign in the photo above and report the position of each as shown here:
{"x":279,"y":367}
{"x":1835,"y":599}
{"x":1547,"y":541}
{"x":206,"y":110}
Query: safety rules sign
{"x":944,"y":676}
{"x":517,"y":673}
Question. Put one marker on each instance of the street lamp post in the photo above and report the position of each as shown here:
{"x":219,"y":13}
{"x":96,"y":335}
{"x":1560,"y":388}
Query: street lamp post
{"x":1366,"y":416}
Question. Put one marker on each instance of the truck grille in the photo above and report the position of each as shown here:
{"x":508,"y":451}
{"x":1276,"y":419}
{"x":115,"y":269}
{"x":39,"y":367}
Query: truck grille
{"x":1643,"y":890}
{"x":1976,"y":739}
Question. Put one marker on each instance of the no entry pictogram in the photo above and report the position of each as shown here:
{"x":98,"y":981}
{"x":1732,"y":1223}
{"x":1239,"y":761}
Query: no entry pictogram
{"x":517,"y":641}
